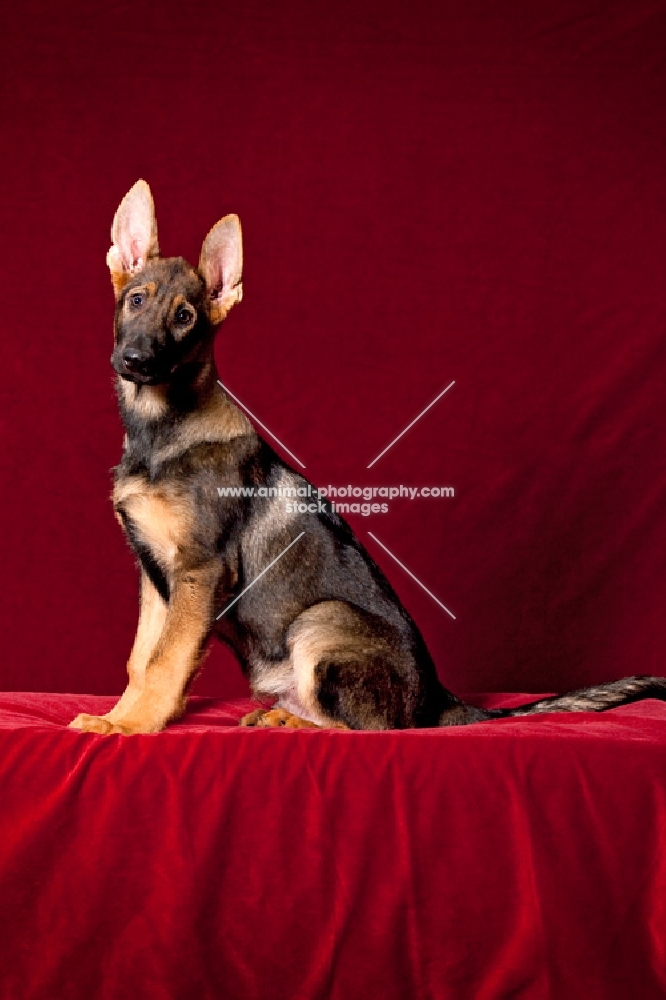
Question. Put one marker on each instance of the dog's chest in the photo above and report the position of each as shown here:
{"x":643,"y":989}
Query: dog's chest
{"x":155,"y":517}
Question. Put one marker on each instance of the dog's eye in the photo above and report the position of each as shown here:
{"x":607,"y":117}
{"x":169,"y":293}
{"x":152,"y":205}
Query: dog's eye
{"x":136,"y":300}
{"x":183,"y":316}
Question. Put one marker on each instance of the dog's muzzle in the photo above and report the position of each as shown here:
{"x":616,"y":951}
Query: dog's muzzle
{"x":135,"y":365}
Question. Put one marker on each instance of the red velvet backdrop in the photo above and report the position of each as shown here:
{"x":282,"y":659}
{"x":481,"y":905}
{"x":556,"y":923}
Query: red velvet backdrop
{"x":429,"y":192}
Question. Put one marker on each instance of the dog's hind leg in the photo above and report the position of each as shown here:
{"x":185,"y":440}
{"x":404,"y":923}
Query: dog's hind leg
{"x":349,"y":669}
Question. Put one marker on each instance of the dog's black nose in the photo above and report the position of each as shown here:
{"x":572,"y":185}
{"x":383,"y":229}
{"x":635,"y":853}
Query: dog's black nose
{"x":136,"y":361}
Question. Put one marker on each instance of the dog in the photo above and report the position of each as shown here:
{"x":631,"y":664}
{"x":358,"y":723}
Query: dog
{"x":310,"y":617}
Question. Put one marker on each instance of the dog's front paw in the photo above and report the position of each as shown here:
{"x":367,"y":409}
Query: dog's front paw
{"x":92,"y":724}
{"x":274,"y":717}
{"x":104,"y":727}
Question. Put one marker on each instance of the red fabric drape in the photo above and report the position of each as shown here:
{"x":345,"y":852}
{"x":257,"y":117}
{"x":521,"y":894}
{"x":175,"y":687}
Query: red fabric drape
{"x":519,"y":858}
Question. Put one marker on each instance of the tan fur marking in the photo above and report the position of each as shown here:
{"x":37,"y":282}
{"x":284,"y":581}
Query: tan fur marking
{"x":218,"y":311}
{"x":217,"y":420}
{"x":118,"y":279}
{"x":150,"y":289}
{"x":152,"y":616}
{"x":179,"y":331}
{"x":329,"y":627}
{"x":149,"y":401}
{"x":162,"y":516}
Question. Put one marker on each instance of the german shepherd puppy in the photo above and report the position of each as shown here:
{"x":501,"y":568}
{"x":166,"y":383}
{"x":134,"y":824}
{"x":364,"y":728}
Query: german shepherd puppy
{"x":321,"y":628}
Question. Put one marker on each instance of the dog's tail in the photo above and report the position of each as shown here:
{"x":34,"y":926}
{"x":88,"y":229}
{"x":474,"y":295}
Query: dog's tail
{"x":598,"y":698}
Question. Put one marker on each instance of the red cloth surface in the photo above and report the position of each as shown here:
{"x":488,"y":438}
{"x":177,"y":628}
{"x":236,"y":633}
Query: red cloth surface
{"x":520,"y":858}
{"x":428,"y":192}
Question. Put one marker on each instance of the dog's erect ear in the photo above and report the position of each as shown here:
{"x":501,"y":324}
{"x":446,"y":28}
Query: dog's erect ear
{"x":221,"y":267}
{"x":134,"y":235}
